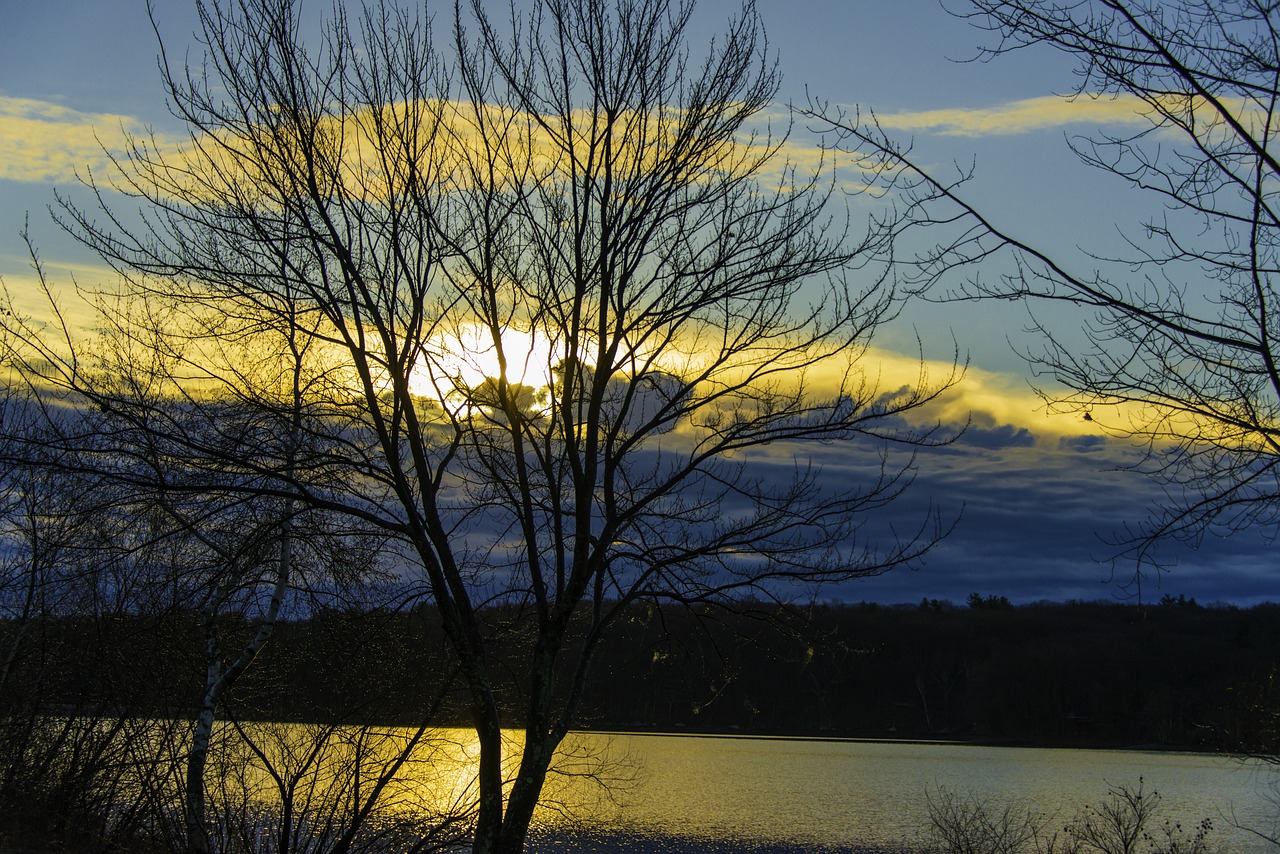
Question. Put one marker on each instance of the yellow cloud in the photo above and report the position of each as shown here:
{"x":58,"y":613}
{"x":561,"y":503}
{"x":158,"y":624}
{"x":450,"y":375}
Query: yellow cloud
{"x":993,"y":399}
{"x":1029,"y":114}
{"x":453,"y":144}
{"x":47,"y":143}
{"x":987,"y":399}
{"x":74,"y":307}
{"x":1052,"y":111}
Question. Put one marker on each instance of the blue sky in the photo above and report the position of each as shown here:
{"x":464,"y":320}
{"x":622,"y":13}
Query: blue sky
{"x":1037,"y":493}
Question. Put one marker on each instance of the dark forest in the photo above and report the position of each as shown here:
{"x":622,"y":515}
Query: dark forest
{"x":1174,"y":674}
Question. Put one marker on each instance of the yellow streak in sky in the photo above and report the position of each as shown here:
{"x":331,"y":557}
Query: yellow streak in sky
{"x":1043,"y":113}
{"x":41,"y":142}
{"x":987,"y":399}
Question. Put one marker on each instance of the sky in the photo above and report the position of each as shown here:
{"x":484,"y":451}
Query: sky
{"x":1036,"y":496}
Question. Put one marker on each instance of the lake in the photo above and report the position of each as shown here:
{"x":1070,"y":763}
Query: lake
{"x":676,"y":794}
{"x":812,"y":793}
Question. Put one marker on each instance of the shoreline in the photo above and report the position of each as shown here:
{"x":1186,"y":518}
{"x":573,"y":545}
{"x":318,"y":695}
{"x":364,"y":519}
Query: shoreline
{"x":941,"y":742}
{"x":584,"y":840}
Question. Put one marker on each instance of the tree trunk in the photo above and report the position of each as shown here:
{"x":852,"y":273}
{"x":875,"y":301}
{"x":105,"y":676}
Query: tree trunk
{"x":525,"y":793}
{"x":218,"y":681}
{"x":489,"y":818}
{"x":194,"y":805}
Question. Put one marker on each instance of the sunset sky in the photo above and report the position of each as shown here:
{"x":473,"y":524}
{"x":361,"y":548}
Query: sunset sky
{"x":1038,"y":493}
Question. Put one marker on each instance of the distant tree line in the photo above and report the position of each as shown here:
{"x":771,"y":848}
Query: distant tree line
{"x":1081,"y":674}
{"x":1086,"y":674}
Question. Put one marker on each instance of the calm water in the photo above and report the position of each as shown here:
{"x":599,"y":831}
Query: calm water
{"x":796,"y":795}
{"x":874,"y":794}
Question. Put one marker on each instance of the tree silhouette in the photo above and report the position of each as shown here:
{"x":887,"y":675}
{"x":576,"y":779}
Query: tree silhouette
{"x":575,"y":179}
{"x":1180,"y":329}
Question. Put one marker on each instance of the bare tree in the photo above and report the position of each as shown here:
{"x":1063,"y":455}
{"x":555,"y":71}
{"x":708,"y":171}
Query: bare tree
{"x":595,"y":217}
{"x":1180,"y":329}
{"x":68,"y":710}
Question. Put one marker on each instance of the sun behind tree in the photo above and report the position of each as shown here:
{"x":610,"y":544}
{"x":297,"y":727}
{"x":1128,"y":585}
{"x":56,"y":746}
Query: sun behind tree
{"x":580,"y":169}
{"x":455,"y":364}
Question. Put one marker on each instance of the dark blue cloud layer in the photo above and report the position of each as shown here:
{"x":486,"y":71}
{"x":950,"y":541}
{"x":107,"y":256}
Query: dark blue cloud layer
{"x":1041,"y":523}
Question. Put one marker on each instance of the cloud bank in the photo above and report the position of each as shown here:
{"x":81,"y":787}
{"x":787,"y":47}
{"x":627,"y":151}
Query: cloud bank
{"x":1023,"y":116}
{"x":42,"y":142}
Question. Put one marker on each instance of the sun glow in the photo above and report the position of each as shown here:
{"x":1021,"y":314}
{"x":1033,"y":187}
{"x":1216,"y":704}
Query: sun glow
{"x":463,"y":360}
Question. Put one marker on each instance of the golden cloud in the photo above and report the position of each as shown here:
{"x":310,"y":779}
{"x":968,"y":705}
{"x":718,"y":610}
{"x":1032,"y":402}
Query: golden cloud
{"x":454,"y":143}
{"x":42,"y":142}
{"x":1024,"y":116}
{"x":992,"y":399}
{"x":47,"y":143}
{"x":1052,"y":111}
{"x":983,"y":398}
{"x":987,"y":399}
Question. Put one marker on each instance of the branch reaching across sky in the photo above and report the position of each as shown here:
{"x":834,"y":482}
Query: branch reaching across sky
{"x":1179,"y":329}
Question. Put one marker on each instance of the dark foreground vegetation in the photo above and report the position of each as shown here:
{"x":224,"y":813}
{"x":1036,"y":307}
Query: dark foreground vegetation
{"x":628,"y":842}
{"x":1127,"y":820}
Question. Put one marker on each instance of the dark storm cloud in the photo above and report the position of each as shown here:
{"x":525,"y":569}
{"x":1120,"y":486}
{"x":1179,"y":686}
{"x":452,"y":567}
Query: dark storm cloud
{"x":1083,"y":444}
{"x":1036,"y":518}
{"x":1005,"y":436}
{"x":1041,"y":521}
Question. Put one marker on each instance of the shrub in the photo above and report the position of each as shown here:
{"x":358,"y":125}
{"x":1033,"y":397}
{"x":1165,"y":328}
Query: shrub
{"x":1121,"y":824}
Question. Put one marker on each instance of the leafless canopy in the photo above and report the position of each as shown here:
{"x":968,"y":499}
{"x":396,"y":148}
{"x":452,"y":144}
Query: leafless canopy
{"x":596,"y":215}
{"x":1180,"y":328}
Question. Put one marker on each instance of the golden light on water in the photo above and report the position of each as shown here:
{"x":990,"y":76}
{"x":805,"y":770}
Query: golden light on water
{"x":803,"y":791}
{"x":434,"y":776}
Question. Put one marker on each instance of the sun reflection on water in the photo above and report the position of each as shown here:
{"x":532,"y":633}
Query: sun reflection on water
{"x":588,"y":783}
{"x":792,"y":791}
